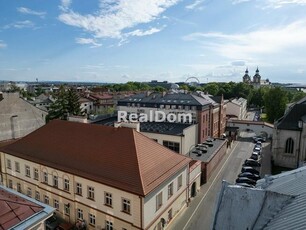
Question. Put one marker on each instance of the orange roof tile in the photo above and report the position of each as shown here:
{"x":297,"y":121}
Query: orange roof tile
{"x":15,"y":209}
{"x":119,"y":157}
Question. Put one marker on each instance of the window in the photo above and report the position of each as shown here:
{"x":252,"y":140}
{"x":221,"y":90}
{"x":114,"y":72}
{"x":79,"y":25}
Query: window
{"x":289,"y":145}
{"x":45,"y":177}
{"x":126,"y":205}
{"x":55,"y":181}
{"x":172,"y":145}
{"x":159,"y":200}
{"x":37,"y":195}
{"x":17,"y":166}
{"x":170,"y":190}
{"x":92,"y":219}
{"x":19,"y":187}
{"x":9,"y":164}
{"x":46,"y":200}
{"x":67,"y":209}
{"x":10,"y":184}
{"x":79,"y":189}
{"x":29,"y":192}
{"x":56,"y":204}
{"x":66,"y":185}
{"x":91,"y":193}
{"x":108,"y":199}
{"x":80,"y":214}
{"x":108,"y":225}
{"x":179,"y":182}
{"x":35,"y":174}
{"x":27,"y":171}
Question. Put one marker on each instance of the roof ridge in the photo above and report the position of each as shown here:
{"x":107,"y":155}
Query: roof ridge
{"x":139,"y":168}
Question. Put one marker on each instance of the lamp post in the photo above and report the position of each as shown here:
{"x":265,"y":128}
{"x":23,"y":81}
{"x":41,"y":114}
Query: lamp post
{"x":300,"y":125}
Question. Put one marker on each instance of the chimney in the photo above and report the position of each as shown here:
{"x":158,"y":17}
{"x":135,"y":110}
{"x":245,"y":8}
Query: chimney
{"x":164,"y":93}
{"x":148,"y":93}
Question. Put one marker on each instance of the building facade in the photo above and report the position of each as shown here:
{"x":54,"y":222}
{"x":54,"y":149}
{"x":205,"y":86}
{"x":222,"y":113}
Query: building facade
{"x":289,"y":137}
{"x":201,"y":110}
{"x":102,"y":177}
{"x":18,"y":117}
{"x":257,"y":82}
{"x":237,"y":108}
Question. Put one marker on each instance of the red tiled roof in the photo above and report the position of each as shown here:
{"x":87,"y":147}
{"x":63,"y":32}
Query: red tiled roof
{"x":14,"y":209}
{"x":119,"y":157}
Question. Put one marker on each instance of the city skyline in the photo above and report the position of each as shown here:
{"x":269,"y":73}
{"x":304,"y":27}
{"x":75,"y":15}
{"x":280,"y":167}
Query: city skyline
{"x":119,"y":41}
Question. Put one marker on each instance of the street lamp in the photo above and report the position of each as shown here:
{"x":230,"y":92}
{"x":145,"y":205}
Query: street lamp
{"x":300,"y":125}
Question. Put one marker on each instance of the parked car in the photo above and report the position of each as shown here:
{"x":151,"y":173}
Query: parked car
{"x":245,"y":185}
{"x":255,"y":156}
{"x":259,"y":138}
{"x":245,"y":180}
{"x":249,"y":175}
{"x":51,"y":223}
{"x":257,"y":149}
{"x":249,"y":169}
{"x":251,"y":162}
{"x":258,"y":144}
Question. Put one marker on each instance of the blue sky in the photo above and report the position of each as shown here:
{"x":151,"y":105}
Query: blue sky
{"x":142,"y":40}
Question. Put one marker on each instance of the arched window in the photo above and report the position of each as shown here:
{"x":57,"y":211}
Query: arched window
{"x":289,"y":145}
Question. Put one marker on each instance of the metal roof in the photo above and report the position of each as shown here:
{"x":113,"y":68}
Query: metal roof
{"x":283,"y":205}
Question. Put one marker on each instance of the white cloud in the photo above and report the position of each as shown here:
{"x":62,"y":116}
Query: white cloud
{"x":88,"y":41}
{"x":25,"y":10}
{"x":281,"y":3}
{"x":65,"y":4}
{"x":239,"y":1}
{"x":20,"y":25}
{"x":143,"y":33}
{"x":194,"y":5}
{"x":115,"y":16}
{"x":2,"y":44}
{"x":251,"y":44}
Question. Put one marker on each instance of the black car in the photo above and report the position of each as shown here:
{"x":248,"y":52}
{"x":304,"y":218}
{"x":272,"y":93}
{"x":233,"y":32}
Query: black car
{"x":254,"y":156}
{"x":249,"y":175}
{"x":245,"y":180}
{"x":251,"y":162}
{"x":249,"y":169}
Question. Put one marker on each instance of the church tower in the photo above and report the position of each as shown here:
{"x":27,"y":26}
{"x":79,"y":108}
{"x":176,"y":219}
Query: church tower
{"x":246,"y":78}
{"x":256,"y":77}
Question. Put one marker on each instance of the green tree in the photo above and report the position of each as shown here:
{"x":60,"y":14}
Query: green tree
{"x":275,"y":100}
{"x":211,"y":88}
{"x":67,"y":102}
{"x":73,"y":105}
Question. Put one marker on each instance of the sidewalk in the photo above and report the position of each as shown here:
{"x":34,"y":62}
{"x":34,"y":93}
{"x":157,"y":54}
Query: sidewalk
{"x":266,"y":160}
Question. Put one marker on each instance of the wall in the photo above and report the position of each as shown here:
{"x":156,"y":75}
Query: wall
{"x":176,"y":202}
{"x":95,"y":207}
{"x":278,"y":147}
{"x":18,"y":117}
{"x":188,"y":138}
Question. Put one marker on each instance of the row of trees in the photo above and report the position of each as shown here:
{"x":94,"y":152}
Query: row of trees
{"x":272,"y":99}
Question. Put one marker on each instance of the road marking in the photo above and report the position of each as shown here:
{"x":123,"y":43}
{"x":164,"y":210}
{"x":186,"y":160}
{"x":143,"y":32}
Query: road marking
{"x":196,"y":209}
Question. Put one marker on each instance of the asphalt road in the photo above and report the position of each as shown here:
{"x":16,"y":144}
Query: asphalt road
{"x":199,"y":214}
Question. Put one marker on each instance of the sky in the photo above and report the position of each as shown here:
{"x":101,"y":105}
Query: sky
{"x":114,"y":41}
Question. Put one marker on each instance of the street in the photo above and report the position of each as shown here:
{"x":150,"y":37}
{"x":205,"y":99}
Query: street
{"x":199,"y":214}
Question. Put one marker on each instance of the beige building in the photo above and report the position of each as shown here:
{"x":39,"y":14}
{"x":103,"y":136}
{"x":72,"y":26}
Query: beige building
{"x":237,"y":108}
{"x":99,"y":176}
{"x":18,"y":117}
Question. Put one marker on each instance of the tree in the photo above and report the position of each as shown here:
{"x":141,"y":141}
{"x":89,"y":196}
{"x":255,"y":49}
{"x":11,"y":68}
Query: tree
{"x":67,"y":102}
{"x":73,"y":105}
{"x":275,"y":100}
{"x":211,"y":88}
